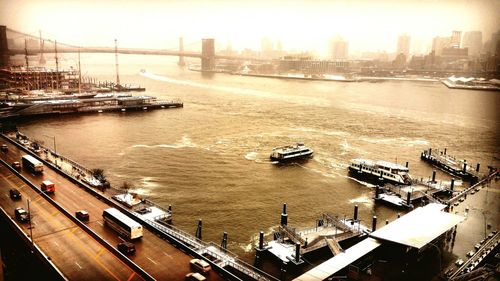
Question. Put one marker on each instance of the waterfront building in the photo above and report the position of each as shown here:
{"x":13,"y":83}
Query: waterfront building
{"x":473,"y":40}
{"x":306,"y":65}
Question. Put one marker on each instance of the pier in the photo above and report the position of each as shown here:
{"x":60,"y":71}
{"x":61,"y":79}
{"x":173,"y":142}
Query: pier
{"x":291,"y":243}
{"x":450,"y":164}
{"x":414,"y":230}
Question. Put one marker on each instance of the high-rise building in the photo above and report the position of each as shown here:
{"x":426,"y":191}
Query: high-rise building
{"x":473,"y":40}
{"x":456,"y":38}
{"x":403,"y":45}
{"x":439,"y":43}
{"x":340,"y":48}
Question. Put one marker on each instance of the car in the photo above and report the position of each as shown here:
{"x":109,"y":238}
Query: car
{"x":4,"y":148}
{"x":459,"y":262}
{"x":14,"y":194}
{"x":82,"y":215}
{"x":477,"y":246}
{"x":200,"y":265}
{"x":16,"y":165}
{"x":126,"y":248}
{"x":195,"y":276}
{"x":470,"y":253}
{"x":21,"y":214}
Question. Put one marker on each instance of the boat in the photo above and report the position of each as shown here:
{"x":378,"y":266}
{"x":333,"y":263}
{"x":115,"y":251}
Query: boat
{"x":450,"y":164}
{"x":380,"y":171}
{"x":293,"y":152}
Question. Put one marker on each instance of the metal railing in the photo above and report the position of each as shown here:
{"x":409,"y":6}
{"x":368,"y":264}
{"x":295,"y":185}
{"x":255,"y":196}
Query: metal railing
{"x":225,"y":257}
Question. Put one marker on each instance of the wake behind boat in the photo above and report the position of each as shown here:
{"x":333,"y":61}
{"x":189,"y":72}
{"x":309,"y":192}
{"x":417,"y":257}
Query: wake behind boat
{"x":289,"y":153}
{"x":380,"y":170}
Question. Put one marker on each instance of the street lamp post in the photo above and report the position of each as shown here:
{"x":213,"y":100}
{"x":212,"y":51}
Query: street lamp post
{"x":31,"y":227}
{"x":55,"y":147}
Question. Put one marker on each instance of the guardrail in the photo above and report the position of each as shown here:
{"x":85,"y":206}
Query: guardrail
{"x":83,"y":226}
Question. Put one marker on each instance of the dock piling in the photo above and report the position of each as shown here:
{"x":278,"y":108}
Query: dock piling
{"x":374,"y":223}
{"x":399,"y":215}
{"x":284,"y":216}
{"x":433,"y":176}
{"x":355,"y":213}
{"x":261,"y":240}
{"x":452,"y":184}
{"x":477,"y":167}
{"x":430,"y":152}
{"x":408,"y":198}
{"x":170,"y":208}
{"x":445,"y":151}
{"x":386,"y":222}
{"x":377,"y":187}
{"x":198,"y":230}
{"x":223,"y":244}
{"x":465,"y":165}
{"x":297,"y":252}
{"x":406,"y":164}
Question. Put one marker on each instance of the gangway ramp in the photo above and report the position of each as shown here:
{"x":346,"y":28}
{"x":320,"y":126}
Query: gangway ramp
{"x":341,"y":260}
{"x":334,"y":246}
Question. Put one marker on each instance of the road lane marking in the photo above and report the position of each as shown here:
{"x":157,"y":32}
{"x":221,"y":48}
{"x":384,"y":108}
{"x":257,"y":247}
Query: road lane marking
{"x":79,"y":265}
{"x":100,"y":223}
{"x":56,"y":244}
{"x":152,"y":261}
{"x":101,"y":250}
{"x":167,"y":255}
{"x":131,"y":276}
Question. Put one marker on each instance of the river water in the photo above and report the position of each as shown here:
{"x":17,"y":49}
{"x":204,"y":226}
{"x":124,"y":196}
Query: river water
{"x":209,"y":160}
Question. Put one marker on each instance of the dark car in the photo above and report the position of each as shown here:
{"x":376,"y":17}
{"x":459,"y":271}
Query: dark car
{"x":82,"y":215}
{"x":4,"y":148}
{"x":21,"y":214}
{"x":16,"y":165}
{"x":15,"y":194}
{"x":126,"y":248}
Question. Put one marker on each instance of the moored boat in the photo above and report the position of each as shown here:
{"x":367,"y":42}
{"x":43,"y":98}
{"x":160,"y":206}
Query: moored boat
{"x":380,"y":171}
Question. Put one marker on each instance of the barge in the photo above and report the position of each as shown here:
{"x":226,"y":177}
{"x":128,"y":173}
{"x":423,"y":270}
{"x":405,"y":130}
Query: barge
{"x":451,"y":165}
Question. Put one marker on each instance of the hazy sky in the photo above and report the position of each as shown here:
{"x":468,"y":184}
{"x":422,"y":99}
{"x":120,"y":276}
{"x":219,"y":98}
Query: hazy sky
{"x":367,"y":25}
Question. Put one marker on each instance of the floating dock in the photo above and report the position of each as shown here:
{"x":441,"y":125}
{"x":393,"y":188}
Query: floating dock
{"x":408,"y":196}
{"x":450,"y":164}
{"x":290,"y":244}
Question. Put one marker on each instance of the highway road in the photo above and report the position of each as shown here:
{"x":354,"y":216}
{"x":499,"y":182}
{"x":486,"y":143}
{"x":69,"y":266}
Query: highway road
{"x":71,"y":249}
{"x":156,"y":256}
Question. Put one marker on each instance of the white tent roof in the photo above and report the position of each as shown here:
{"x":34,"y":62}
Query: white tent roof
{"x":419,"y":227}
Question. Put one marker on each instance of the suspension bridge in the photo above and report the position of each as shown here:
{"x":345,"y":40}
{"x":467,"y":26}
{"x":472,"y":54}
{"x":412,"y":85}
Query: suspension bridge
{"x":13,"y":42}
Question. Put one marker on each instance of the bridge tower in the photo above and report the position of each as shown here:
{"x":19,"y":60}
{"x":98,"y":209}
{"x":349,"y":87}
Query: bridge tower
{"x":207,"y":54}
{"x":181,"y":49}
{"x":4,"y":48}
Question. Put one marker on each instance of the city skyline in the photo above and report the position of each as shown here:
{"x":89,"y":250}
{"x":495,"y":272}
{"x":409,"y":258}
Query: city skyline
{"x":299,"y":26}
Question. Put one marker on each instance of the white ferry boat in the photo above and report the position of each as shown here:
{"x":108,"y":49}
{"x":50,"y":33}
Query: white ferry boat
{"x":288,"y":153}
{"x":374,"y":171}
